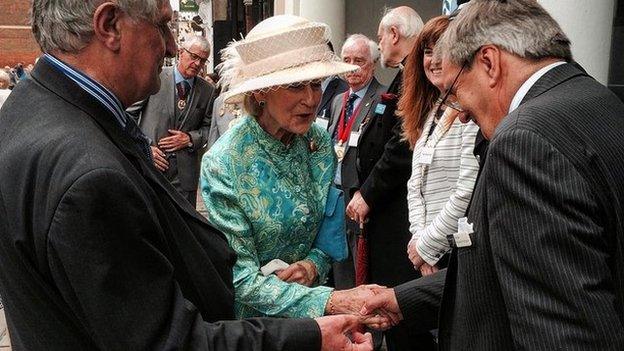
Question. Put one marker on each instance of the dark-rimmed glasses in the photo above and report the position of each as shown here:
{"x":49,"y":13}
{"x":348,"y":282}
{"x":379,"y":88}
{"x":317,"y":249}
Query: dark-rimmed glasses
{"x":452,"y":104}
{"x":196,"y":58}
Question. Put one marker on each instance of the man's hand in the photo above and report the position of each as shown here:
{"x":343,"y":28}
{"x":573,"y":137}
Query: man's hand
{"x":302,"y":272}
{"x":413,"y":255}
{"x":384,"y":303}
{"x":160,"y":160}
{"x":335,"y":331}
{"x":358,"y":209}
{"x":176,"y":141}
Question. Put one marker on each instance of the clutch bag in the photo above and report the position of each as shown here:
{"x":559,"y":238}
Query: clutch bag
{"x":332,"y":235}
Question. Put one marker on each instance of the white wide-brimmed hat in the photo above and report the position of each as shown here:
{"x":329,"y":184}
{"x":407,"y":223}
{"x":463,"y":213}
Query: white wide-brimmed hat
{"x":279,"y":51}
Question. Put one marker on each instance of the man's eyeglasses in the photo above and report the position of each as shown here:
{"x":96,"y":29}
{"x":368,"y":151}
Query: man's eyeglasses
{"x":196,"y":58}
{"x":444,"y":101}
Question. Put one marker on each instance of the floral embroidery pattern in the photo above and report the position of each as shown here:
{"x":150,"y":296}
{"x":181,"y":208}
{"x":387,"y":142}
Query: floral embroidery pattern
{"x":268,"y":199}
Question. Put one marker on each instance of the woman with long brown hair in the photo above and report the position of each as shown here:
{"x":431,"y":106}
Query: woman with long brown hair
{"x":444,"y":168}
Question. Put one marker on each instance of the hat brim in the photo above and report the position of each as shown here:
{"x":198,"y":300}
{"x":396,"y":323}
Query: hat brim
{"x":304,"y":73}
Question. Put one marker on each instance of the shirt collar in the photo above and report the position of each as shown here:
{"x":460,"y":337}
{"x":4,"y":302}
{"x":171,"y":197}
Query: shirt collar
{"x":360,"y":93}
{"x":178,"y":77}
{"x":528,"y":84}
{"x":92,"y":87}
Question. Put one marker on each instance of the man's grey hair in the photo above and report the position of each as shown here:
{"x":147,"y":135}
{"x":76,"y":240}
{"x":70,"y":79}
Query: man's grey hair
{"x":405,"y":19}
{"x":201,"y":41}
{"x":520,"y":27}
{"x":372,"y":46}
{"x":67,"y":25}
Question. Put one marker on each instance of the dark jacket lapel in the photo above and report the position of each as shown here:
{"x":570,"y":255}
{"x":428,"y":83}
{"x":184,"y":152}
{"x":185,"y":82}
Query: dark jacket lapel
{"x":392,"y":89}
{"x":366,"y":104}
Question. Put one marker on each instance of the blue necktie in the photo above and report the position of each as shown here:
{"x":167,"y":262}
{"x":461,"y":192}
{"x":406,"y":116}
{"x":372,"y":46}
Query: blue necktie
{"x":349,"y":107}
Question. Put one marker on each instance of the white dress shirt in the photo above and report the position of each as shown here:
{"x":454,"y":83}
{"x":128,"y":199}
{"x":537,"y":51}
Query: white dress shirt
{"x":528,"y":84}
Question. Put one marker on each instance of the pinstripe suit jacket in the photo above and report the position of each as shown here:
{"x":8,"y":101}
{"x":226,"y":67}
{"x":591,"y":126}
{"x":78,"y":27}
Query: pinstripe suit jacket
{"x":546,"y":268}
{"x":438,"y":193}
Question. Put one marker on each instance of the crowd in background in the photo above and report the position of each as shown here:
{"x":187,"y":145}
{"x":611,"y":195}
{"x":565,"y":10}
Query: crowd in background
{"x":9,"y":77}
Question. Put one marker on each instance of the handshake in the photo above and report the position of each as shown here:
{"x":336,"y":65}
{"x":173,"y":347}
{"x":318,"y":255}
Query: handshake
{"x":370,"y":305}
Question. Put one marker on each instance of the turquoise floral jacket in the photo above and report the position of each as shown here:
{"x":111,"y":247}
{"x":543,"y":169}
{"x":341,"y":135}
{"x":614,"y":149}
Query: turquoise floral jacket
{"x":269,"y":199}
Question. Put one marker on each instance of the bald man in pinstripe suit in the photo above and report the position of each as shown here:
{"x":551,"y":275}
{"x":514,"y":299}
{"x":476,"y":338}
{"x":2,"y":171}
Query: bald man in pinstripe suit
{"x":540,"y":266}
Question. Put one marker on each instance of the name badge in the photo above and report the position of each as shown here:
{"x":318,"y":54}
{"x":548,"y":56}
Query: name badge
{"x":322,"y":122}
{"x":426,"y":155}
{"x":354,"y":138}
{"x":464,"y":229}
{"x":339,"y":149}
{"x":380,"y":109}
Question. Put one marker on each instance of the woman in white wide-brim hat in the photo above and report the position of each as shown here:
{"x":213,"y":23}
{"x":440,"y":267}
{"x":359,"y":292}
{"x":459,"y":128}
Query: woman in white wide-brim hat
{"x":265,"y":181}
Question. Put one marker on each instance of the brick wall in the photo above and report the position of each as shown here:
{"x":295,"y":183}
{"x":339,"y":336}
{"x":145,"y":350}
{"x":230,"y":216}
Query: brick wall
{"x":14,"y":12}
{"x":17,"y":45}
{"x":16,"y":41}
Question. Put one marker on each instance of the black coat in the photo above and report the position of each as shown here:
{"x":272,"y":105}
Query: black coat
{"x":544,"y":270}
{"x":97,"y":250}
{"x":384,"y":167}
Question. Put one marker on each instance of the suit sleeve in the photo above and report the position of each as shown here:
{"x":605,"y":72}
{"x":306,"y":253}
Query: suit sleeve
{"x":199,"y":136}
{"x":549,"y":247}
{"x":104,"y":259}
{"x":268,"y":295}
{"x":419,"y":301}
{"x":391,"y":171}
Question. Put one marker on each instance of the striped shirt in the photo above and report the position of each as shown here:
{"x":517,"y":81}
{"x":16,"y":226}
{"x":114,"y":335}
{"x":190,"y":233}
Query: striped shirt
{"x":106,"y":98}
{"x":439,"y":191}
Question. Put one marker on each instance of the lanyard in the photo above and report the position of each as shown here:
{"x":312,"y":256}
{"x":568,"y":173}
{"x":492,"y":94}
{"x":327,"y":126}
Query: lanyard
{"x":343,"y":133}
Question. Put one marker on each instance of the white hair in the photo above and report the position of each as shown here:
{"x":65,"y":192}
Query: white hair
{"x":521,"y":27}
{"x":373,"y":48}
{"x":407,"y":21}
{"x":67,"y":25}
{"x":201,"y":41}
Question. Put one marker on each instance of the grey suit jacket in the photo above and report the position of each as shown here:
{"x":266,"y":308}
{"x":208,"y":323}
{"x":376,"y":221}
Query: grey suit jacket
{"x":222,"y":116}
{"x":544,"y":271}
{"x":367,"y":109}
{"x":158,"y":116}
